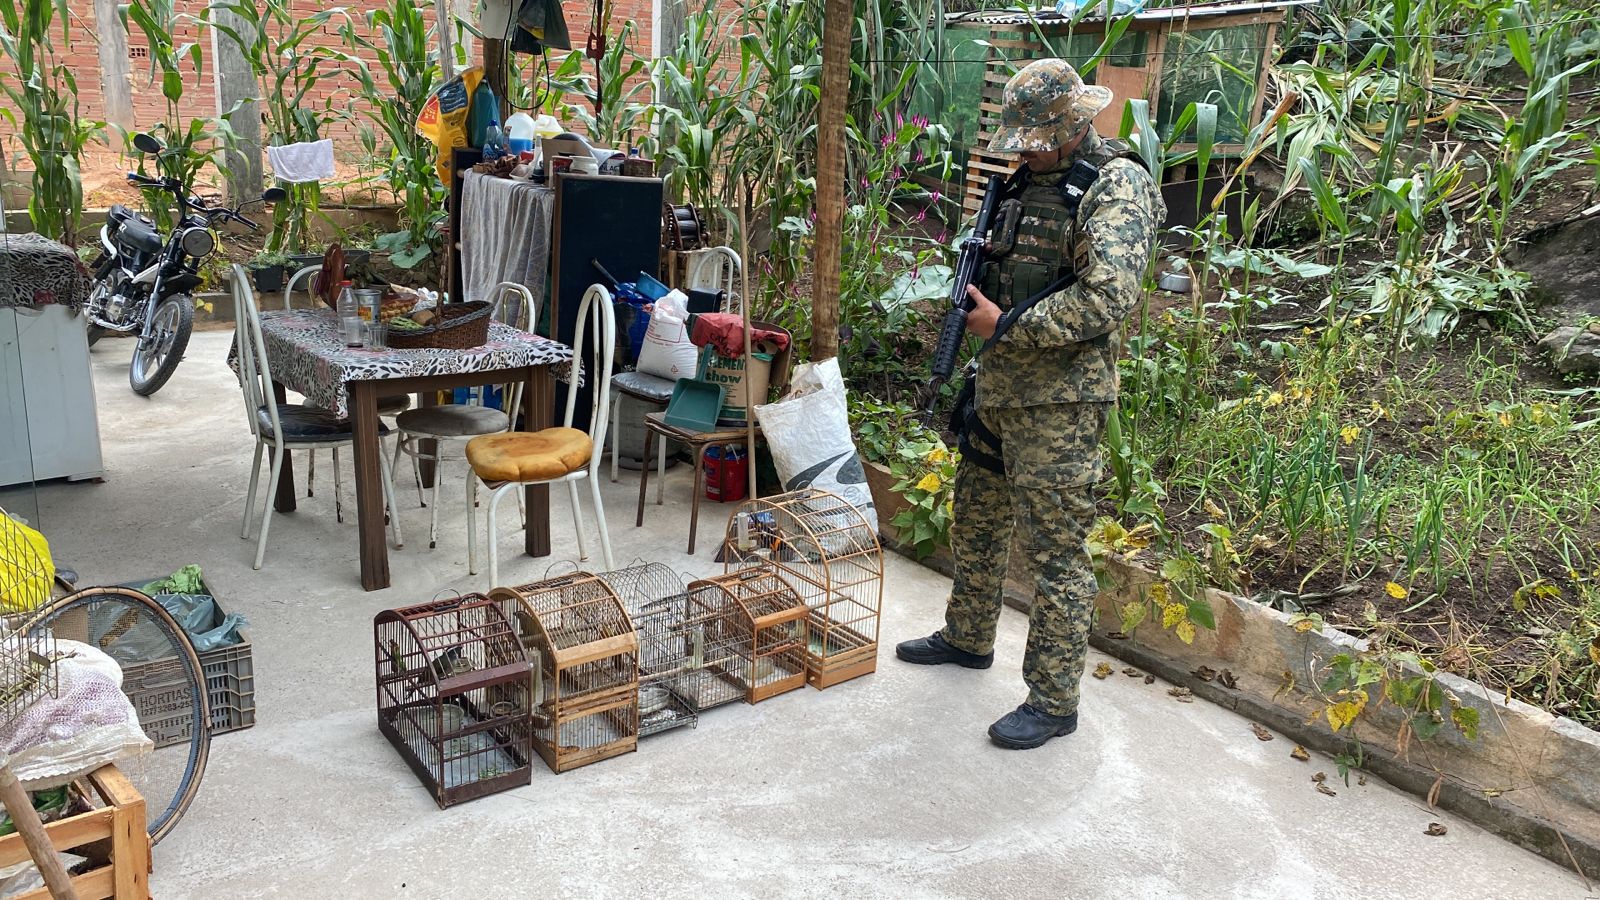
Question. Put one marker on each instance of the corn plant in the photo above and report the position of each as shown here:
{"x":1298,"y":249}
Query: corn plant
{"x":407,"y":62}
{"x":45,"y":93}
{"x":613,"y":115}
{"x":287,"y":67}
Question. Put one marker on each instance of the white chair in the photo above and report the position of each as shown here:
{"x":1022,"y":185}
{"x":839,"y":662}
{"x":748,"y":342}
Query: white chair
{"x":711,"y":269}
{"x":387,"y":406}
{"x":451,"y":426}
{"x":282,"y":426}
{"x":513,"y":459}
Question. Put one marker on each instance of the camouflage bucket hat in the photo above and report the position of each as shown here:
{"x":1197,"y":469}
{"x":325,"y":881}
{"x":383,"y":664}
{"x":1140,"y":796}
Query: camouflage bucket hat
{"x":1045,"y":103}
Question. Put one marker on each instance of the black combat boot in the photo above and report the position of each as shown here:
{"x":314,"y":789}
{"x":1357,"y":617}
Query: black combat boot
{"x":935,"y":650}
{"x":1025,"y":728}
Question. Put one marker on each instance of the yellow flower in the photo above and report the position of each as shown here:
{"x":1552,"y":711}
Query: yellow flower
{"x":1377,"y":410}
{"x":930,"y":483}
{"x":1395,"y":591}
{"x":1350,"y":433}
{"x":936,"y":456}
{"x":1275,"y":399}
{"x":1504,"y":419}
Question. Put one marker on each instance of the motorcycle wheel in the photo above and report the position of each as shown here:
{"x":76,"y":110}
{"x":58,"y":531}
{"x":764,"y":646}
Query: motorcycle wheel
{"x":155,"y":360}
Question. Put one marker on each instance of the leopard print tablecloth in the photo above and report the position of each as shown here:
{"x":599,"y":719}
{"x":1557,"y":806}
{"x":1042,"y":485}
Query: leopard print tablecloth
{"x":36,"y":271}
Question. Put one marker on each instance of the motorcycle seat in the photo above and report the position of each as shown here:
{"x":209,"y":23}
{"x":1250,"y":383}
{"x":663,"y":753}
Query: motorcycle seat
{"x":119,"y":214}
{"x":139,"y":236}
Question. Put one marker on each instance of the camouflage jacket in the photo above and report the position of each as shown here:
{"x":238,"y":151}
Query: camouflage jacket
{"x":1064,"y":349}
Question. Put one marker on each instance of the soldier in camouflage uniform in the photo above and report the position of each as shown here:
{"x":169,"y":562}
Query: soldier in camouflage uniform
{"x":1043,"y":391}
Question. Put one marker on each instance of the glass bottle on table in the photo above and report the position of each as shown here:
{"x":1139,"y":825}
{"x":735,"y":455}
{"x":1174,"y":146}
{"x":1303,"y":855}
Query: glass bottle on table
{"x":350,"y":323}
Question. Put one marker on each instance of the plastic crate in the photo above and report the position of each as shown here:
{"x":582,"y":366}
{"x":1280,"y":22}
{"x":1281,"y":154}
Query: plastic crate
{"x":230,"y":689}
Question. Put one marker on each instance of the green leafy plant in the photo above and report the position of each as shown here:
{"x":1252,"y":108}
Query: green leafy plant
{"x":406,"y":59}
{"x":45,"y":94}
{"x":925,"y":473}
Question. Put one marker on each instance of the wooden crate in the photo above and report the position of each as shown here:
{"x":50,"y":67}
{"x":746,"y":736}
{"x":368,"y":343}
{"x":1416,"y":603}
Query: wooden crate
{"x":112,"y":838}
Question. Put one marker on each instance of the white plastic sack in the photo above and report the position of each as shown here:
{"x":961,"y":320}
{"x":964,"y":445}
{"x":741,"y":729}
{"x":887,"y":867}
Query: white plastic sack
{"x":667,"y":351}
{"x":808,"y":434}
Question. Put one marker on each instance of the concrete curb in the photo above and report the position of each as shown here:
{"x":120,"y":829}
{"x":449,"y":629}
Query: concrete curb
{"x":1530,"y":777}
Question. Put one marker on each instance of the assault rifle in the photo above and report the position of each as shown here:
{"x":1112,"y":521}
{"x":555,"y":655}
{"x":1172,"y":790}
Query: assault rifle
{"x":969,"y":268}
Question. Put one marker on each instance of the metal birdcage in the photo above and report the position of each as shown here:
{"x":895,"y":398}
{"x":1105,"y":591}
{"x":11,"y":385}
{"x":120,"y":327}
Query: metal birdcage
{"x":823,"y":548}
{"x":27,"y":671}
{"x":763,"y":630}
{"x":585,"y":656}
{"x":454,"y":696}
{"x":654,"y":597}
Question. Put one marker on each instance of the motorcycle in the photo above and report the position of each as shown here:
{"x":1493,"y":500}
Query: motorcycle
{"x":142,"y":280}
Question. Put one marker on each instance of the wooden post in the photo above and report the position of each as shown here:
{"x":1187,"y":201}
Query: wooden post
{"x":830,"y":177}
{"x":114,"y":70}
{"x":495,"y":52}
{"x":237,"y":85}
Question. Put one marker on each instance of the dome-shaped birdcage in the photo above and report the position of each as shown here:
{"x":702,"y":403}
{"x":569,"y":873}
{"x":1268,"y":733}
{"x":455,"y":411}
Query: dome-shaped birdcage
{"x":823,"y":548}
{"x":653,"y":594}
{"x":27,"y":576}
{"x":585,"y":655}
{"x":762,"y":638}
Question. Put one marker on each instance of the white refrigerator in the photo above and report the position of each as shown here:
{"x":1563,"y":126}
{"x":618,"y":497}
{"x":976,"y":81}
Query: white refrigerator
{"x":48,"y":423}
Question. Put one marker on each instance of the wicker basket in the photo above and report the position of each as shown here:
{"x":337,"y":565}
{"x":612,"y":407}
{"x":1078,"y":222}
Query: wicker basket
{"x":461,"y":326}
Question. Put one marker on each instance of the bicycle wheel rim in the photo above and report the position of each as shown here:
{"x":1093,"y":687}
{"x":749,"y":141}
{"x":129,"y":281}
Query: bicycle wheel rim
{"x":186,"y":758}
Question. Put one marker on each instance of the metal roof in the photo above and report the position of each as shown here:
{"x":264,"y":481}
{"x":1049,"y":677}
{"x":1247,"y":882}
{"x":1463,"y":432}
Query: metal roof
{"x":1048,"y":17}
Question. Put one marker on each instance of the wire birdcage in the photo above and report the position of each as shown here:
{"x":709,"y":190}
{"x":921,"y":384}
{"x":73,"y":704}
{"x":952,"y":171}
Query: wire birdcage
{"x":454,"y":694}
{"x":823,"y":548}
{"x":764,"y":630}
{"x":585,"y":656}
{"x":27,"y":671}
{"x":654,"y":597}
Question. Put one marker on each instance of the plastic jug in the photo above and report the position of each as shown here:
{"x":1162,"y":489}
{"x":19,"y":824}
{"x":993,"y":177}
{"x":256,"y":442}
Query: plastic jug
{"x":485,"y":108}
{"x":494,"y":142}
{"x":546,"y":126}
{"x":520,"y":132}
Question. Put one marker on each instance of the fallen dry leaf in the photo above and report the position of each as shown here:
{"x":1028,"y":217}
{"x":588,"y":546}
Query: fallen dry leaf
{"x":1183,"y":694}
{"x":1131,"y":672}
{"x":1261,"y":733}
{"x":1492,"y":793}
{"x":1149,"y":679}
{"x":1435,"y":829}
{"x":1226,"y":679}
{"x":1204,"y":673}
{"x":1320,"y":777}
{"x":1300,"y":753}
{"x":1433,"y":792}
{"x":1102,"y":671}
{"x":1361,"y":780}
{"x":1324,"y":789}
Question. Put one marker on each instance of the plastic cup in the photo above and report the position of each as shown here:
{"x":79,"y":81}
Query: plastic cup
{"x":351,"y":328}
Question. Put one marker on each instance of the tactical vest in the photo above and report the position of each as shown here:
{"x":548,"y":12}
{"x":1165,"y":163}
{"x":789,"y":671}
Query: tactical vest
{"x":1041,"y":246}
{"x":1036,"y":238}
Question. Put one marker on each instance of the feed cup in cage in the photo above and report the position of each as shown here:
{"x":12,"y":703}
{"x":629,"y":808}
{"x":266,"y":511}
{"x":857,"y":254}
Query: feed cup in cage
{"x":585,"y":660}
{"x":454,"y":690}
{"x":823,"y":548}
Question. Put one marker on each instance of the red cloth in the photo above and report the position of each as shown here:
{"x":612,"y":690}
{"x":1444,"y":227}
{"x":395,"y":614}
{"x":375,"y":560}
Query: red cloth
{"x":725,"y":332}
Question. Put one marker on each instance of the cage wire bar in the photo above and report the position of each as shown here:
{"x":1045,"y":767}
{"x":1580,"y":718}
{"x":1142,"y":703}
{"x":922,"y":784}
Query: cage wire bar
{"x":653,"y":595}
{"x":767,"y":646}
{"x":454,"y":696}
{"x":27,"y":669}
{"x":584,"y":651}
{"x":824,"y":549}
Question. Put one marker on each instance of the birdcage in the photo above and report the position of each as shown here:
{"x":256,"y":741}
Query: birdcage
{"x":455,"y":693}
{"x":654,"y":597}
{"x":27,"y":574}
{"x":585,"y":656}
{"x":765,"y":621}
{"x":823,"y":548}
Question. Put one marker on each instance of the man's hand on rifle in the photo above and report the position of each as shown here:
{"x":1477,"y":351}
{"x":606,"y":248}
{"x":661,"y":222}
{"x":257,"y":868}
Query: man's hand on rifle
{"x":984,"y":316}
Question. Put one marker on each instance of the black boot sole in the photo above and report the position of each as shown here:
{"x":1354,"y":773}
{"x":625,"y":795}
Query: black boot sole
{"x":941,"y":660}
{"x":1010,"y":744}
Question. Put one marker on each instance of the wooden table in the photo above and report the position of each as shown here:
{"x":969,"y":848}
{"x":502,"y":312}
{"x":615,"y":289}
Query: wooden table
{"x":307,"y":356}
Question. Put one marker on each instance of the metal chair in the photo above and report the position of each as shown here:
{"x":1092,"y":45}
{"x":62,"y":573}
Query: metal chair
{"x":453,"y":425}
{"x":282,"y":426}
{"x":513,"y":459}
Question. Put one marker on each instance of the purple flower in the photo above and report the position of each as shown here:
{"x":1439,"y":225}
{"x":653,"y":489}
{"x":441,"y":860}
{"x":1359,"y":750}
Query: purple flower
{"x":936,"y":196}
{"x":943,"y":236}
{"x":919,"y":156}
{"x":921,"y":214}
{"x":899,"y":172}
{"x":899,"y":120}
{"x":863,"y":182}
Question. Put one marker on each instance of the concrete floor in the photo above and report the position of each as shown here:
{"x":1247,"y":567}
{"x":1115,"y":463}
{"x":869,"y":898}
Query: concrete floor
{"x":885,"y":786}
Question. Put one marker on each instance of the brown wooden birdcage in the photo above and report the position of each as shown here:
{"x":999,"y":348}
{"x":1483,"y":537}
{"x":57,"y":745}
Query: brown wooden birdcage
{"x":761,"y":624}
{"x":823,"y":548}
{"x":454,"y":695}
{"x":585,"y":656}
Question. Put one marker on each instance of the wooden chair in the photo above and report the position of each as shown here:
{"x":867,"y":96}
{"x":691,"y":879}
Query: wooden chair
{"x":452,"y":426}
{"x":513,"y":459}
{"x":282,"y":426}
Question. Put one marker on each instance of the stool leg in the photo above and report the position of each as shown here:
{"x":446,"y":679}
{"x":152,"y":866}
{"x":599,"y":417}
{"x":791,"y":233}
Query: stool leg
{"x":644,"y":477}
{"x":694,"y":504}
{"x":661,"y":469}
{"x":433,"y":520}
{"x":338,"y":489}
{"x":472,"y":522}
{"x":311,"y":473}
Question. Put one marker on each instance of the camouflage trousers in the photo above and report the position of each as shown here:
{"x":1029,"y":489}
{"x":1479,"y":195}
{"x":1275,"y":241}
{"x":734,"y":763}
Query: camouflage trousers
{"x":1052,"y":463}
